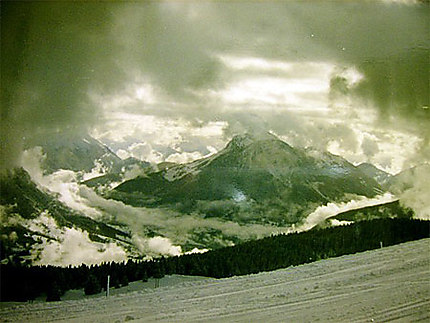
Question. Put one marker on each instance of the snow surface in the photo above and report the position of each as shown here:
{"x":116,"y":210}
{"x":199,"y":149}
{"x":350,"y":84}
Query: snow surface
{"x":388,"y":284}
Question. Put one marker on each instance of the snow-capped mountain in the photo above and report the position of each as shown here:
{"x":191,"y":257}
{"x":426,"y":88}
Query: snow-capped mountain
{"x":77,"y":153}
{"x":254,"y":187}
{"x":255,"y":178}
{"x":94,"y":163}
{"x":377,"y":174}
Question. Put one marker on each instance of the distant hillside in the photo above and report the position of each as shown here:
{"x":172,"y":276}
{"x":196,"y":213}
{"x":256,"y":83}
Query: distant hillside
{"x":31,"y":217}
{"x":380,"y":211}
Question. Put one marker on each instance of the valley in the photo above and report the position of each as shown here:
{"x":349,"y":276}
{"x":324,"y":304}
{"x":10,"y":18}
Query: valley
{"x":258,"y":185}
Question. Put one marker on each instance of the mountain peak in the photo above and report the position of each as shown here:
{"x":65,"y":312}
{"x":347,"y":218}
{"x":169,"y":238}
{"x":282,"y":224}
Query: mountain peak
{"x":246,"y":139}
{"x":241,"y":141}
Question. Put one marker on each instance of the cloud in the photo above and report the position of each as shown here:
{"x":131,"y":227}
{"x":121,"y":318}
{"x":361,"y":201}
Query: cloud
{"x":63,"y":246}
{"x":369,"y":147}
{"x":75,"y":248}
{"x":63,"y":183}
{"x":160,"y":79}
{"x":172,"y":229}
{"x":144,"y":151}
{"x":332,"y":209}
{"x":156,"y":246}
{"x":412,"y":187}
{"x":105,"y":64}
{"x":184,"y":157}
{"x":48,"y":61}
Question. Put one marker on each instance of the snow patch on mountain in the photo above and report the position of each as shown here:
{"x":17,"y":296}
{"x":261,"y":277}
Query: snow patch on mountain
{"x":98,"y":170}
{"x":179,"y":171}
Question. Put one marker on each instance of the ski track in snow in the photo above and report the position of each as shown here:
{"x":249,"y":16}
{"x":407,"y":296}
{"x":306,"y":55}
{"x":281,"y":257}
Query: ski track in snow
{"x":388,"y":284}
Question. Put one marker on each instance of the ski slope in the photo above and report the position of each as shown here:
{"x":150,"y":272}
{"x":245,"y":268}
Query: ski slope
{"x":388,"y":284}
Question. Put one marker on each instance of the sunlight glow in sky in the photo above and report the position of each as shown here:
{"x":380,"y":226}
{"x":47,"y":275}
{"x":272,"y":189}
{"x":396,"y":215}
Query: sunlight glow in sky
{"x":170,"y":80}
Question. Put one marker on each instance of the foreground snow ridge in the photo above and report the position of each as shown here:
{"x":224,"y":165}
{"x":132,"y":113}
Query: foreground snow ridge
{"x":387,"y":284}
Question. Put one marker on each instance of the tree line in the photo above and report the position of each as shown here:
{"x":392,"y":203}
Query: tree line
{"x":21,"y":283}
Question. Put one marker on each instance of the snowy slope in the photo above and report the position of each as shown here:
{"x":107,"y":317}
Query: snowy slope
{"x":380,"y":285}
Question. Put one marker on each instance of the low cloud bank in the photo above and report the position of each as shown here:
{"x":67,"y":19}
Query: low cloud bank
{"x":156,"y":246}
{"x":413,"y":189}
{"x":68,"y":246}
{"x":171,"y":229}
{"x":163,"y":232}
{"x":332,"y":209}
{"x":75,"y":247}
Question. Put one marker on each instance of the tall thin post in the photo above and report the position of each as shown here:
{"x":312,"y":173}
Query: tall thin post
{"x":107,"y":286}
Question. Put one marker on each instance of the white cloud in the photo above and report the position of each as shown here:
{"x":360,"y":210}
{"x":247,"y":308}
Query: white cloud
{"x":145,"y":152}
{"x":335,"y":222}
{"x":132,"y":172}
{"x":416,"y":196}
{"x":63,"y":182}
{"x":332,"y":209}
{"x":272,"y":91}
{"x":97,"y":171}
{"x":184,"y":157}
{"x":255,"y":63}
{"x":74,"y":248}
{"x":369,"y":146}
{"x":156,"y":246}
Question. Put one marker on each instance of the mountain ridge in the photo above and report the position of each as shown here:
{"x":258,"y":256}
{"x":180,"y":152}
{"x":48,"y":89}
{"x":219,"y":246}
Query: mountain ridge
{"x":251,"y":169}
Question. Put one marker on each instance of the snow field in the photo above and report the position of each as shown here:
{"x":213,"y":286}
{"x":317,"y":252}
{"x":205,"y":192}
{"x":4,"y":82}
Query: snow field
{"x":388,"y":284}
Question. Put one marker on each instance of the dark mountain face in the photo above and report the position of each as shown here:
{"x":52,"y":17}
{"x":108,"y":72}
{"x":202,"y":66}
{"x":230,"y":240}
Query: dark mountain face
{"x":273,"y":181}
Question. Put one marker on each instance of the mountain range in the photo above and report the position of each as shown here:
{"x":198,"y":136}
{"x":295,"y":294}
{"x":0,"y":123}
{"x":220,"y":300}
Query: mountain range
{"x":254,"y":182}
{"x":261,"y":176}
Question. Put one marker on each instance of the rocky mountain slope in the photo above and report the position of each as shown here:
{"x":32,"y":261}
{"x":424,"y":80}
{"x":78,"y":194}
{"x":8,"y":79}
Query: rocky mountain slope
{"x":377,"y":174}
{"x":260,"y":179}
{"x":254,"y":187}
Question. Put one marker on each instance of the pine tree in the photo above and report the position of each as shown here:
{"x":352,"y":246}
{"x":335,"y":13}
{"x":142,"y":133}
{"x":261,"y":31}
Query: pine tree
{"x":144,"y":276}
{"x":92,"y":286}
{"x":158,"y":273}
{"x":124,"y":280}
{"x":54,"y":293}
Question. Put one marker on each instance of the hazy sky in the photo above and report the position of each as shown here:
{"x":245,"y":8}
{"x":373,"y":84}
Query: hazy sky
{"x":175,"y":80}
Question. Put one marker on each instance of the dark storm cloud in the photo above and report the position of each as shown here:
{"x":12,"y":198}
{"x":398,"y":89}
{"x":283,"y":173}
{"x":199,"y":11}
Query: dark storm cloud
{"x":387,"y":43}
{"x":55,"y":53}
{"x":49,"y":56}
{"x":163,"y":41}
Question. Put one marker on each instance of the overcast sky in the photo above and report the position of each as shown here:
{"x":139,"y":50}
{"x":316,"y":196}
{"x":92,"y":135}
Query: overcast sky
{"x":175,"y":80}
